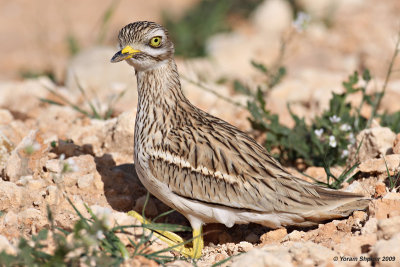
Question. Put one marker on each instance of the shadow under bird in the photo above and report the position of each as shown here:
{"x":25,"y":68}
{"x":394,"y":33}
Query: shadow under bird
{"x":204,"y":167}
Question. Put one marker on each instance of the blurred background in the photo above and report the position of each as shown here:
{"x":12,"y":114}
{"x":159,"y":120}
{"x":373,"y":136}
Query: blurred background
{"x":308,"y":79}
{"x":41,"y":36}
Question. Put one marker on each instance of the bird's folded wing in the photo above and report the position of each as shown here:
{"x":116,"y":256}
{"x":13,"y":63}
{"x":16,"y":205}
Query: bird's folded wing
{"x":215,"y":163}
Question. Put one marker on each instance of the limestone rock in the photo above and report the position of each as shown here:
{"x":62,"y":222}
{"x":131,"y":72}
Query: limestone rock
{"x":10,"y":219}
{"x":370,"y":227}
{"x":376,"y":143}
{"x":53,"y":165}
{"x":272,"y":17}
{"x":245,"y":246}
{"x":388,"y":227}
{"x":273,"y":236}
{"x":32,"y":217}
{"x":295,"y":236}
{"x":26,"y":158}
{"x":357,"y":188}
{"x":392,"y":196}
{"x":60,"y":116}
{"x":309,"y":253}
{"x":387,"y":248}
{"x":396,"y":144}
{"x":319,"y":173}
{"x":139,"y":261}
{"x":119,"y":134}
{"x":5,"y":149}
{"x":85,"y":180}
{"x":53,"y":196}
{"x":35,"y":184}
{"x":5,"y":116}
{"x":9,"y":91}
{"x":380,"y":189}
{"x":384,"y":208}
{"x":179,"y":263}
{"x":260,"y":257}
{"x":113,"y":136}
{"x":379,"y":165}
{"x":6,"y":246}
{"x":11,"y":195}
{"x":79,"y":167}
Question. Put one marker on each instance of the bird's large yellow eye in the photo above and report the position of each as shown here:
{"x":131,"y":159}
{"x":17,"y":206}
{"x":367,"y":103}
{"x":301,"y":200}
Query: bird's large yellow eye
{"x":155,"y":41}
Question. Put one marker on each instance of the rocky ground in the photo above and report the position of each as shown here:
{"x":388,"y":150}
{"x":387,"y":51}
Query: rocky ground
{"x":37,"y":139}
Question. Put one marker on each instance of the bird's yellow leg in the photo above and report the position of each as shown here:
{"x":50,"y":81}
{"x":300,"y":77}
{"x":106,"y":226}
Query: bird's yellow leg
{"x":166,"y":236}
{"x":198,"y":243}
{"x":173,"y":240}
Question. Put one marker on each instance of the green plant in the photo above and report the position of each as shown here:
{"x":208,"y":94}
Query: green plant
{"x":73,"y":44}
{"x":29,"y":74}
{"x":324,"y":141}
{"x":392,"y":179}
{"x":391,"y":120}
{"x":379,"y":95}
{"x":203,"y":20}
{"x":94,"y":110}
{"x":90,"y":242}
{"x":105,"y":20}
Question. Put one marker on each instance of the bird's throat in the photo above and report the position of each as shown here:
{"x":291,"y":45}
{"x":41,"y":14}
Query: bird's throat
{"x":160,"y":86}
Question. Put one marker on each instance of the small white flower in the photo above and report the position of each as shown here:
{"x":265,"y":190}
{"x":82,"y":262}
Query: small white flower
{"x":319,"y":132}
{"x":345,"y":153}
{"x":301,"y":22}
{"x":32,"y":148}
{"x":72,"y":165}
{"x":105,"y":214}
{"x":345,"y":127}
{"x":362,"y":83}
{"x":332,"y":141}
{"x":36,"y":146}
{"x":335,"y":119}
{"x":62,"y":157}
{"x":352,"y":139}
{"x":100,"y":235}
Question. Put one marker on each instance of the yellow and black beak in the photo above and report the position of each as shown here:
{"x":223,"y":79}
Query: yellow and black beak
{"x":125,"y":53}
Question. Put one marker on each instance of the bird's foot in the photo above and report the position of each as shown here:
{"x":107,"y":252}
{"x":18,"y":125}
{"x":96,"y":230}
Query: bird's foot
{"x":175,"y":241}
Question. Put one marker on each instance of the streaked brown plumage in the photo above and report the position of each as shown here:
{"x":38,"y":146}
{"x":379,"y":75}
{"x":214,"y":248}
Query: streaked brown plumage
{"x":202,"y":166}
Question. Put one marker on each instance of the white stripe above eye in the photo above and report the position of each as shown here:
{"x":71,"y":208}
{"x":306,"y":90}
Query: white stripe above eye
{"x":183,"y":163}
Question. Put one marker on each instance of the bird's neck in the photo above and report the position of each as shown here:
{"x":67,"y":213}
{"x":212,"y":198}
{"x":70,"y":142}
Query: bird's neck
{"x":160,"y":86}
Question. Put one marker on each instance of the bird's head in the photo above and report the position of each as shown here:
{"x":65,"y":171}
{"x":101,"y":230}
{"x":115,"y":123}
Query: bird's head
{"x":144,"y":45}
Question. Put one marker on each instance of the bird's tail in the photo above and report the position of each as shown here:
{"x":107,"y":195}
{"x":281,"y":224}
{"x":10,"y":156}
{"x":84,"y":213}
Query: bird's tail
{"x":338,"y":204}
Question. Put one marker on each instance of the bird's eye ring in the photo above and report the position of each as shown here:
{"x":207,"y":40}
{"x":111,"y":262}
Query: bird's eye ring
{"x":155,"y":41}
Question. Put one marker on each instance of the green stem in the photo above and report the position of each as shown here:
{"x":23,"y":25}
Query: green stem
{"x":387,"y":78}
{"x":198,"y":84}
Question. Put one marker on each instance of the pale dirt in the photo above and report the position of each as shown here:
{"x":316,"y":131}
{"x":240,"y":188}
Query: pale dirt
{"x":34,"y":38}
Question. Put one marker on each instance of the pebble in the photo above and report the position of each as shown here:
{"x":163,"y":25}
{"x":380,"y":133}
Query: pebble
{"x":5,"y":116}
{"x":151,"y":209}
{"x":273,"y":236}
{"x":85,"y":180}
{"x":53,"y":165}
{"x":52,"y":195}
{"x":396,"y":144}
{"x":387,"y":228}
{"x":6,"y":246}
